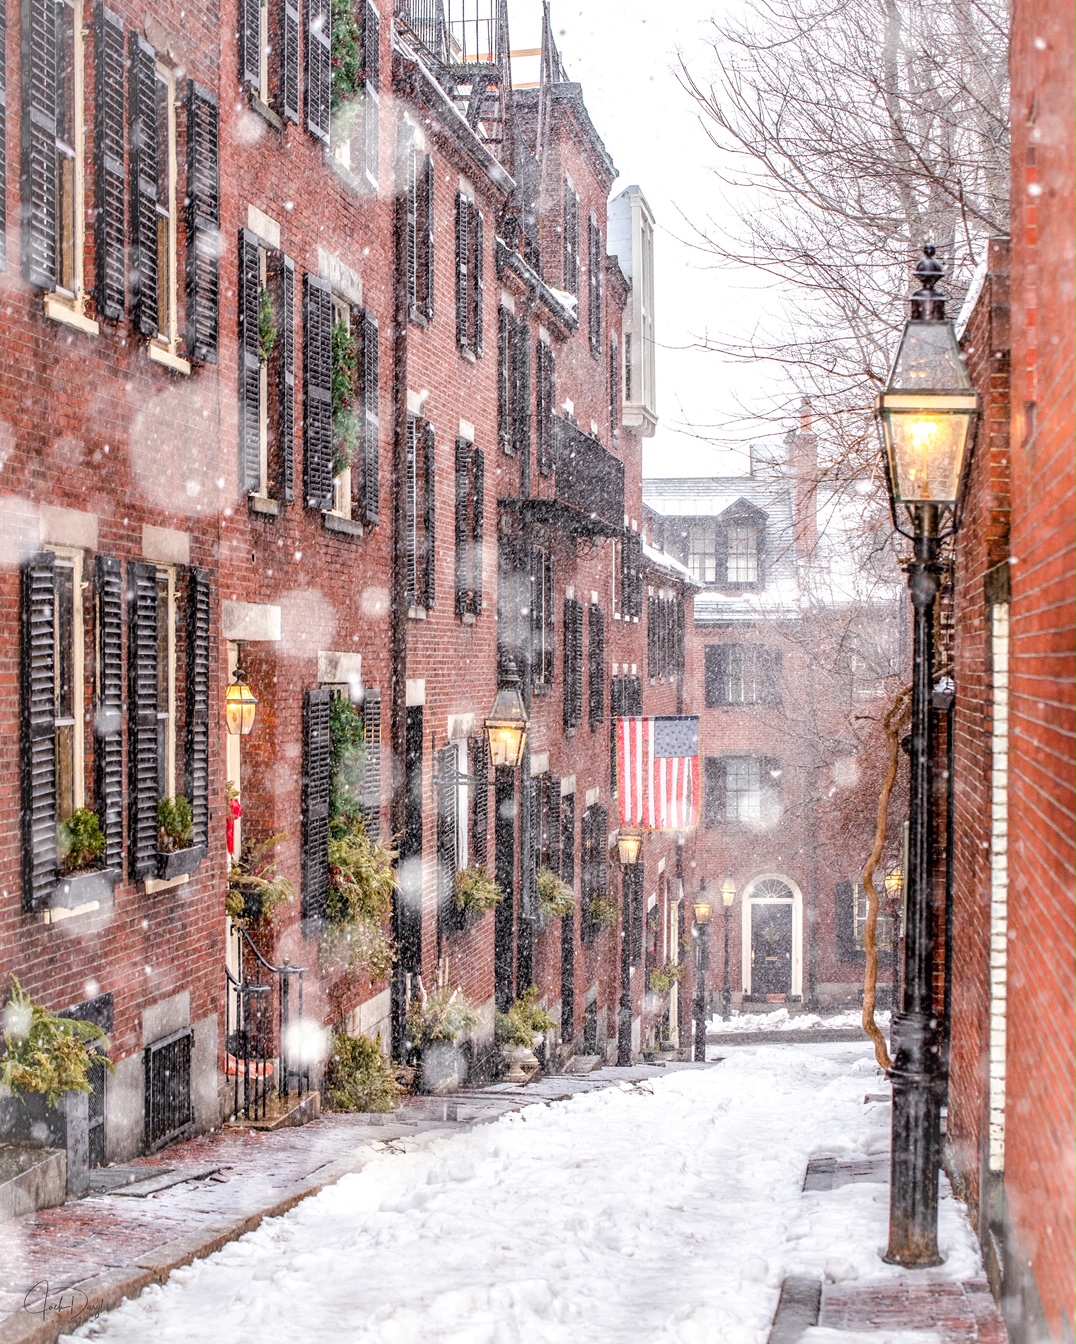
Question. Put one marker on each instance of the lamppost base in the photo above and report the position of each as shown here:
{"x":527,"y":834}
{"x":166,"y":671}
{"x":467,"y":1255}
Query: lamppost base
{"x":915,"y":1155}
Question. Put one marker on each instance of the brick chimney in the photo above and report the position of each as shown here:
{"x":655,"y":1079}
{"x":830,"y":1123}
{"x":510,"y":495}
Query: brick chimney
{"x":803,"y":463}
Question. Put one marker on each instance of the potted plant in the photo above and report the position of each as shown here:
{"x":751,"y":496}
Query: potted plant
{"x":176,"y":851}
{"x":358,"y":1077}
{"x":556,"y":899}
{"x":255,"y":889}
{"x":435,"y":1021}
{"x":44,"y":1080}
{"x":662,"y":978}
{"x":518,"y":1031}
{"x":80,"y":848}
{"x":476,"y":893}
{"x":602,"y":912}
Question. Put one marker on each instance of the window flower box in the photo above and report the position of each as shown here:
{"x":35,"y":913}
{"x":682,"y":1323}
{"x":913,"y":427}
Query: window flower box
{"x":83,"y":887}
{"x":177,"y":862}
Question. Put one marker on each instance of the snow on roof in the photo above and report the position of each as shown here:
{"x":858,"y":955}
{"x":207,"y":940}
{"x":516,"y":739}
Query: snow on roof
{"x":663,"y":560}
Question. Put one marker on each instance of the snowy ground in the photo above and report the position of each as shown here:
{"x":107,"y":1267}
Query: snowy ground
{"x":781,"y":1020}
{"x":663,"y":1212}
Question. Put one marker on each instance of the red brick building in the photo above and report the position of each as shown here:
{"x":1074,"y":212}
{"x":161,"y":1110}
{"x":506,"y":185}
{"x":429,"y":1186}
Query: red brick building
{"x":329,"y":362}
{"x":791,"y":660}
{"x":1010,"y":1139}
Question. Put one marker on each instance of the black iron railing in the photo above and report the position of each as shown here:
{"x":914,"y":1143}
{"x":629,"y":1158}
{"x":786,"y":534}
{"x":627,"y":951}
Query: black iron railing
{"x":264,"y":1033}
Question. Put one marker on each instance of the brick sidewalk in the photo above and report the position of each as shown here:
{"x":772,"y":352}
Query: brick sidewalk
{"x":93,"y":1252}
{"x":961,"y":1313}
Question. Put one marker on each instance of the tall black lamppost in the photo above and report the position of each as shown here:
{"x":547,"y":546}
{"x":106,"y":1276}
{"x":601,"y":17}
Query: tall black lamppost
{"x":728,"y":895}
{"x":927,"y":412}
{"x":703,"y":911}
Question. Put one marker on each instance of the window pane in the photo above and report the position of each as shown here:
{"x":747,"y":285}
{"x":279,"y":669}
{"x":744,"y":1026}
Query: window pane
{"x":743,"y":800}
{"x":65,"y":642}
{"x":702,"y":557}
{"x":65,"y":74}
{"x":65,"y":770}
{"x":164,"y":157}
{"x":742,"y":554}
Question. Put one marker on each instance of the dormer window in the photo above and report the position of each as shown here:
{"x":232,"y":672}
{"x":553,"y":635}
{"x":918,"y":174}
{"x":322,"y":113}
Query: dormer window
{"x":742,"y":551}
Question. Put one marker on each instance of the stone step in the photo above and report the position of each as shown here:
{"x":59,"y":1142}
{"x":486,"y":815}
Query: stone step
{"x":31,"y":1178}
{"x":281,"y":1112}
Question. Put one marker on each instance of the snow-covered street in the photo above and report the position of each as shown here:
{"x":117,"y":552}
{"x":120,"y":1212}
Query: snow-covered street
{"x":661,"y":1211}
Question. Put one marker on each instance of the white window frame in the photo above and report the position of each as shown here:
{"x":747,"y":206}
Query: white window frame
{"x":70,"y":559}
{"x":702,"y":558}
{"x":263,"y":381}
{"x":163,"y":348}
{"x":741,"y":542}
{"x":168,"y":574}
{"x":463,"y":811}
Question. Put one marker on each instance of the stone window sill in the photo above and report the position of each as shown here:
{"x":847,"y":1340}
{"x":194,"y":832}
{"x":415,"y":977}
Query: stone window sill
{"x":265,"y":112}
{"x":346,"y":527}
{"x":268,"y":508}
{"x":69,"y":312}
{"x":153,"y":884}
{"x":163,"y":354}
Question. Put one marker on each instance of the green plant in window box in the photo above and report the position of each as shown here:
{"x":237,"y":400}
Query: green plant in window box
{"x":175,"y":824}
{"x":476,"y":892}
{"x":255,"y":888}
{"x":345,"y":368}
{"x":524,"y":1021}
{"x":346,"y":53}
{"x":80,"y":841}
{"x":267,"y":329}
{"x":358,"y":1077}
{"x":603,"y":912}
{"x":556,"y":899}
{"x":45,"y":1053}
{"x":662,"y":978}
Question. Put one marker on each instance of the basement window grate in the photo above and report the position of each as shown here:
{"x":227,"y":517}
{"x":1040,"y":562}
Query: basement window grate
{"x":169,"y":1112}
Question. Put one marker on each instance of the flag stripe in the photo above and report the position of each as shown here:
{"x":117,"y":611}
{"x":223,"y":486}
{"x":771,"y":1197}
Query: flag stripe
{"x":656,"y":793}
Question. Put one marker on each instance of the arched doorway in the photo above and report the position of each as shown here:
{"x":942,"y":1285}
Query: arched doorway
{"x":772,"y":938}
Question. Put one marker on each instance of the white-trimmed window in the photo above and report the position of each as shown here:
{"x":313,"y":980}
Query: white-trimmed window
{"x":742,"y":540}
{"x":743,"y":789}
{"x":166,"y":682}
{"x":883,"y":930}
{"x":68,"y":682}
{"x":702,"y":552}
{"x":263,"y":383}
{"x":165,"y":108}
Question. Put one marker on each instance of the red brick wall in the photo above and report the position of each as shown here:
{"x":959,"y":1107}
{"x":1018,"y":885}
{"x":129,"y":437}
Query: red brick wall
{"x":1039,"y":1118}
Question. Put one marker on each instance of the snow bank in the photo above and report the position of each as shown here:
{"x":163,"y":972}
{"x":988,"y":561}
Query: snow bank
{"x":781,"y":1020}
{"x":664,"y":1212}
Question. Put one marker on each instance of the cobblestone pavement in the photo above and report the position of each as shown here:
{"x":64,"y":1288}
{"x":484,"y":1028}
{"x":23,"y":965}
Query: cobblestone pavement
{"x":259,"y":1173}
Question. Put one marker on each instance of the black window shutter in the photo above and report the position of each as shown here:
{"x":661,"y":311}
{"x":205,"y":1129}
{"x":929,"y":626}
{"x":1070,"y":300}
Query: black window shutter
{"x":197,"y":744}
{"x":614,"y":386}
{"x":411,"y":515}
{"x":142,"y":761}
{"x":289,"y":68}
{"x":463,"y":211}
{"x":573,"y":662}
{"x":371,"y":46}
{"x":371,"y":424}
{"x":39,"y":142}
{"x":250,"y":43}
{"x":478,"y":290}
{"x":371,"y":777}
{"x":316,"y":783}
{"x":571,"y":240}
{"x":286,"y":371}
{"x":250,"y":471}
{"x":478,"y":524}
{"x":567,"y":841}
{"x":463,"y":567}
{"x":38,"y":755}
{"x":110,"y":198}
{"x":594,"y":286}
{"x":411,"y":201}
{"x":108,"y":720}
{"x":596,"y":667}
{"x":3,"y":139}
{"x":318,"y":68}
{"x":427,"y":240}
{"x":143,"y":138}
{"x":479,"y":761}
{"x":546,"y":406}
{"x":713,"y":674}
{"x":429,"y":539}
{"x":522,"y":362}
{"x":447,"y":799}
{"x":547,"y":616}
{"x":317,"y":393}
{"x":203,"y":222}
{"x":846,"y":922}
{"x":505,"y":380}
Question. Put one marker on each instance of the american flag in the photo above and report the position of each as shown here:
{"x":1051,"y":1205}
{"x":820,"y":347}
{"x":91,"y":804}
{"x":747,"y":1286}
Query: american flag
{"x":657,"y":770}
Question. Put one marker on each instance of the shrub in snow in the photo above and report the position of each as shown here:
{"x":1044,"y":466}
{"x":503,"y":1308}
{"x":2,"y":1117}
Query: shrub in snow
{"x":45,"y":1053}
{"x":358,"y":1077}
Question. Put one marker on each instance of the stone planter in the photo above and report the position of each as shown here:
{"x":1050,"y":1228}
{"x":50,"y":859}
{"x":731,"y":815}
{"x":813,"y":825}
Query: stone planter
{"x":179,"y":861}
{"x":91,"y":884}
{"x":27,"y":1117}
{"x":519,"y":1063}
{"x":442,"y":1068}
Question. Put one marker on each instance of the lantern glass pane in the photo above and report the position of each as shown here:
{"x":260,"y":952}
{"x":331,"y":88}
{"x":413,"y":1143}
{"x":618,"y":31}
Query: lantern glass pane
{"x":929,"y":360}
{"x":927,"y":453}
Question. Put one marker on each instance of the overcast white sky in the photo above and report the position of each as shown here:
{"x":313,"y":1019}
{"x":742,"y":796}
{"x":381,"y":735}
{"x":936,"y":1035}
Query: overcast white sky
{"x":625,"y":55}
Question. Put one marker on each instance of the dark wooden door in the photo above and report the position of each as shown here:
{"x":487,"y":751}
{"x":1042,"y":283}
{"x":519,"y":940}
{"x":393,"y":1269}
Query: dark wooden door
{"x":771,"y":950}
